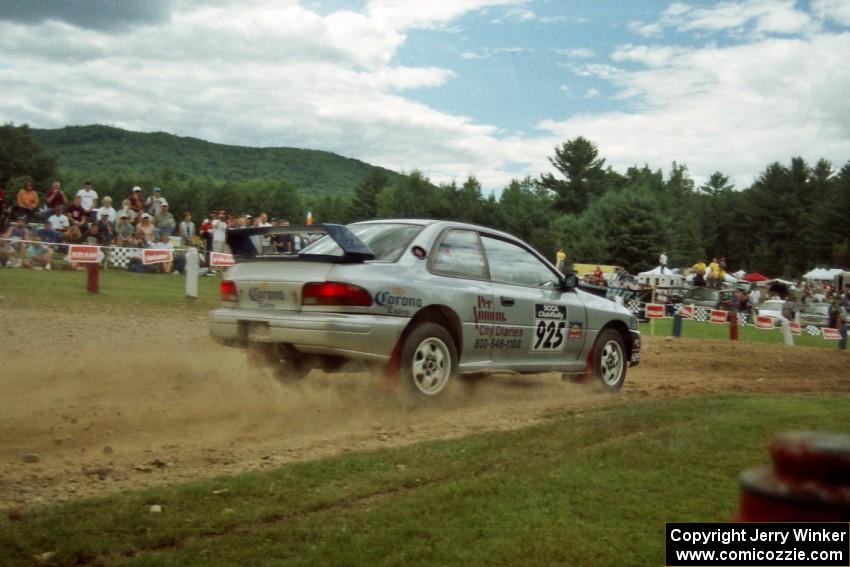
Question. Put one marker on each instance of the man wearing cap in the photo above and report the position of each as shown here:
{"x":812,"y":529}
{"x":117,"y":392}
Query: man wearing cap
{"x":163,"y":221}
{"x":88,"y":198}
{"x":137,"y":203}
{"x":155,"y":202}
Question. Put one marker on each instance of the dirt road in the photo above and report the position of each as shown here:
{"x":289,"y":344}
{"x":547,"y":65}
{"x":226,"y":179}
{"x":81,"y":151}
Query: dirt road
{"x":164,"y":404}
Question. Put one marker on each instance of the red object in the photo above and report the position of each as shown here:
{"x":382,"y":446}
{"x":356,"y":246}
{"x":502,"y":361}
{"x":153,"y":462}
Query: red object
{"x":93,"y":273}
{"x":220,"y":259}
{"x":755,"y":277}
{"x":654,"y":311}
{"x":227,"y":290}
{"x":686,"y":312}
{"x":335,"y":293}
{"x":809,"y":481}
{"x":719,"y":316}
{"x":156,"y":256}
{"x":733,"y":327}
{"x":764,"y":322}
{"x":82,"y":254}
{"x":831,"y":334}
{"x":796,"y":330}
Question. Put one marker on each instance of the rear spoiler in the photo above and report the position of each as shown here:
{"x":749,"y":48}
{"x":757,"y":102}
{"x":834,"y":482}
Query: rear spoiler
{"x":244,"y":242}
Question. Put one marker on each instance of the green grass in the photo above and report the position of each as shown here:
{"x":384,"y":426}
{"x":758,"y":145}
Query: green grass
{"x":591,"y":488}
{"x":748,"y":334}
{"x":119,"y":289}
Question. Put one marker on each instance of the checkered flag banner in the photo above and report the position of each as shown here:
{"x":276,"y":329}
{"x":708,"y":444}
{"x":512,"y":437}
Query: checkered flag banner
{"x":813,"y":331}
{"x":701,"y":313}
{"x":634,"y":306}
{"x":742,"y":319}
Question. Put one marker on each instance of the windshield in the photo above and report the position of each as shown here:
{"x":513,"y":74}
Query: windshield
{"x":386,"y":240}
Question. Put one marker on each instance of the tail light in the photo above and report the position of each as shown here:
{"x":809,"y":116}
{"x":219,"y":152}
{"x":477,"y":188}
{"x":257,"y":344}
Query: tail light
{"x":335,"y":293}
{"x":227,"y":290}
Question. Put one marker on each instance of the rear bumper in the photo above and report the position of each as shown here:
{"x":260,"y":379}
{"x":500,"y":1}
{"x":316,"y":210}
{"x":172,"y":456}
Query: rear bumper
{"x":364,"y":337}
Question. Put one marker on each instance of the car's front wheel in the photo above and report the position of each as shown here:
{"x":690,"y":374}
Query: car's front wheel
{"x":609,"y":361}
{"x":427,"y":361}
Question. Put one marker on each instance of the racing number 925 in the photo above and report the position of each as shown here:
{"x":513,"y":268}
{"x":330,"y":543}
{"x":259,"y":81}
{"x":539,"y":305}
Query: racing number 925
{"x":549,"y":334}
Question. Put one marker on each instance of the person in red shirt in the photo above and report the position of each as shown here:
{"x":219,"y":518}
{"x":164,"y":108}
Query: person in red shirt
{"x":76,"y":213}
{"x":55,"y":196}
{"x":598,"y":276}
{"x":137,"y":203}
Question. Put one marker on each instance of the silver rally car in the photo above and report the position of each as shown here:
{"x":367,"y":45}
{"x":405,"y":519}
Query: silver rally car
{"x":424,"y":300}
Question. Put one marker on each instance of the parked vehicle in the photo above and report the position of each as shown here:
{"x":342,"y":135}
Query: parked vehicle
{"x":816,"y":314}
{"x":428,"y":300}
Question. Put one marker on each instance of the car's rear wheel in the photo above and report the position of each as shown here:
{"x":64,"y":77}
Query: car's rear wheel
{"x":427,"y":361}
{"x":283,"y":363}
{"x":609,"y":361}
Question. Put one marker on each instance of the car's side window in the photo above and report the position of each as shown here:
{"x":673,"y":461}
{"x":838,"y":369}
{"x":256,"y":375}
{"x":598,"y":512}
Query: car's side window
{"x":460,"y":254}
{"x":512,"y":264}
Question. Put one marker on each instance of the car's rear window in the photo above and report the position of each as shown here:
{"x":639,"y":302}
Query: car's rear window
{"x":386,"y":240}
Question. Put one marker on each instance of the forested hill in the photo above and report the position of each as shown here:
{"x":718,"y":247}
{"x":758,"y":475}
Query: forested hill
{"x":106,"y":151}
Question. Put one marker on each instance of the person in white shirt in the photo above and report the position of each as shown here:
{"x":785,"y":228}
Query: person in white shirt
{"x":154,"y":203}
{"x":186,"y":229}
{"x":754,"y":297}
{"x":219,"y":230}
{"x":58,"y":221}
{"x":662,"y":261}
{"x":88,"y":197}
{"x":107,"y":210}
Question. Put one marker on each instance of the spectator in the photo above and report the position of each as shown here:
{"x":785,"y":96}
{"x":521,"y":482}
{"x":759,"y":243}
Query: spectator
{"x":105,"y":230}
{"x":126,"y":211}
{"x":137,"y":203}
{"x":662,"y":262}
{"x":755,"y":296}
{"x":55,"y":196}
{"x":88,"y":199}
{"x":178,"y":264}
{"x":125,"y":232}
{"x":145,"y":231}
{"x":58,"y":221}
{"x":598,"y":276}
{"x":27,"y":203}
{"x":206,"y":233}
{"x":107,"y":210}
{"x":93,"y":235}
{"x":38,"y":255}
{"x":154,"y":203}
{"x":49,"y":235}
{"x":76,"y":212}
{"x":163,"y":221}
{"x":187,"y":229}
{"x":219,"y":230}
{"x":10,"y":248}
{"x":714,"y":276}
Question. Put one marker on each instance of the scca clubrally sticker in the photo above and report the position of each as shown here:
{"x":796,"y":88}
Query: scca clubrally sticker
{"x":550,"y":321}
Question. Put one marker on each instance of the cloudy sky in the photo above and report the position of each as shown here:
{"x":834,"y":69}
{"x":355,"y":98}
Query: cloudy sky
{"x":449,"y":87}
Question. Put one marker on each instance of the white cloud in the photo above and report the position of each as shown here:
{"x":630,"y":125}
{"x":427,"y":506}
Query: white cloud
{"x":734,"y":109}
{"x":261,"y":74}
{"x":576,"y":53}
{"x":836,"y":10}
{"x":751,"y":17}
{"x":592,"y":93}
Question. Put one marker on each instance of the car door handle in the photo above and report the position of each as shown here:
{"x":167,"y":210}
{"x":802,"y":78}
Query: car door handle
{"x":508,"y":301}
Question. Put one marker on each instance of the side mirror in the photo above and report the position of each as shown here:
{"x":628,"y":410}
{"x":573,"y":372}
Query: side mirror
{"x":570,"y":281}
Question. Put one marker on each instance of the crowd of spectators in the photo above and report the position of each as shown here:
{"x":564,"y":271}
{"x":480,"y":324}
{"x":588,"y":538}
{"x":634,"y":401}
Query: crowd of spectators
{"x":33,"y":225}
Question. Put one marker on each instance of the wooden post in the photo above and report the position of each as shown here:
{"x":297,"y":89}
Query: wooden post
{"x":92,"y":272}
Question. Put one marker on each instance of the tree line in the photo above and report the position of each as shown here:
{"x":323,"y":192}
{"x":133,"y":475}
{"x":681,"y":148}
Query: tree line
{"x":792,"y":218}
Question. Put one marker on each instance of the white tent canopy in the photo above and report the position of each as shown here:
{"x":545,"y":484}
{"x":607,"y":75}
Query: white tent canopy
{"x":822,"y":274}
